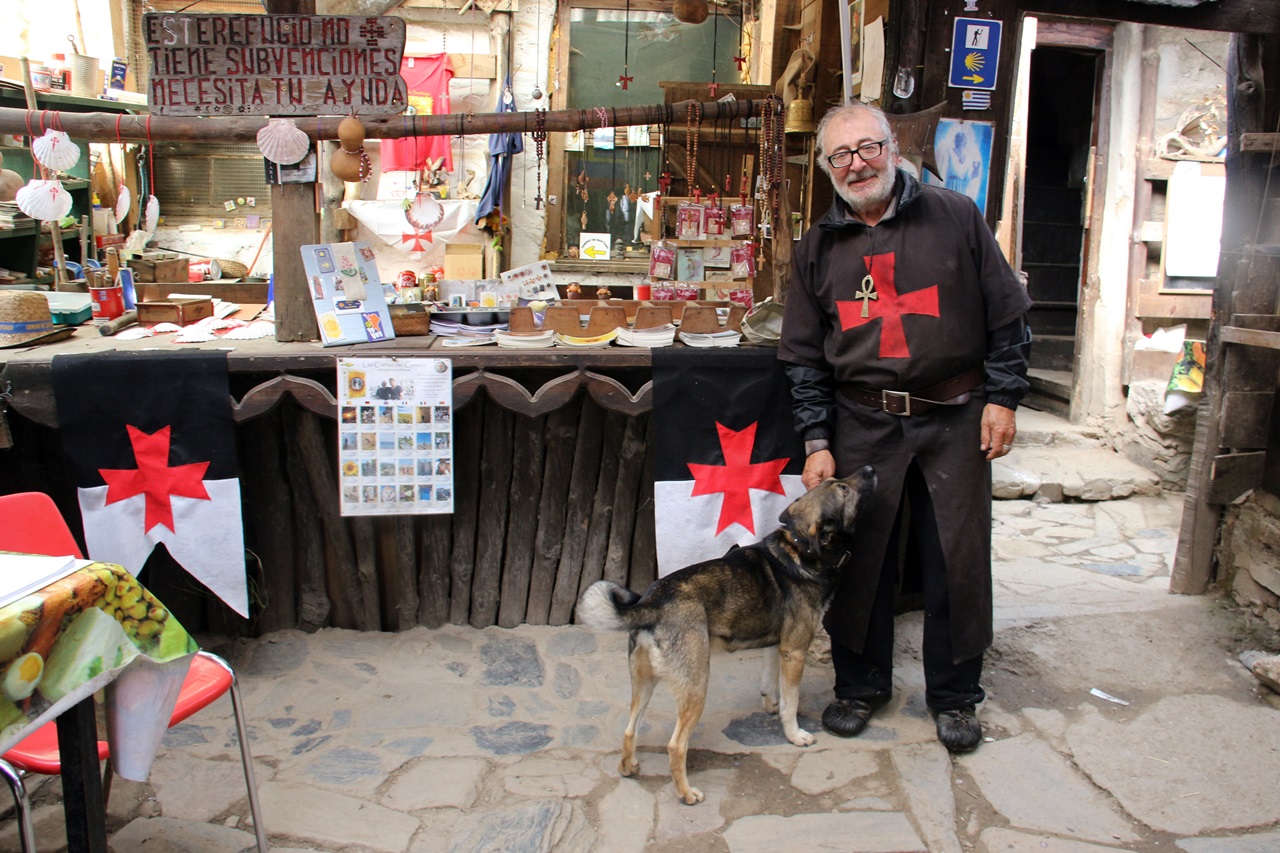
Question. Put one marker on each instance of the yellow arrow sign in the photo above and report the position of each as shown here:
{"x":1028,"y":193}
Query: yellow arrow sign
{"x":593,"y":251}
{"x":973,"y":78}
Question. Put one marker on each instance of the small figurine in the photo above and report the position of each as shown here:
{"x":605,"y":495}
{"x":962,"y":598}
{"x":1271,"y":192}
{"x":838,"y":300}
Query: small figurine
{"x":573,"y":291}
{"x":603,"y":292}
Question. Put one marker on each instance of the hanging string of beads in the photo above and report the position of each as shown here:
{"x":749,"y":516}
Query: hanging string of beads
{"x":771,"y":147}
{"x":539,"y":140}
{"x":692,"y":130}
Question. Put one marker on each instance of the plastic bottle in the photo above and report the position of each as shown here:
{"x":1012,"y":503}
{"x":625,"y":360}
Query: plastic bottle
{"x":101,"y":222}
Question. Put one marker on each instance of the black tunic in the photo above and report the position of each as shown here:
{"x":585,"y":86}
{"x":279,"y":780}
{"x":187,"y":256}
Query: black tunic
{"x":942,"y":288}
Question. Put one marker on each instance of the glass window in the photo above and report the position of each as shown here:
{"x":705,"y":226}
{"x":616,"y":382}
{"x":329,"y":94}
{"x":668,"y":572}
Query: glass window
{"x":651,"y":47}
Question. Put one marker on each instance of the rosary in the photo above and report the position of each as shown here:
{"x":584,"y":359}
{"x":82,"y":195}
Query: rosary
{"x":692,"y":131}
{"x":539,"y":140}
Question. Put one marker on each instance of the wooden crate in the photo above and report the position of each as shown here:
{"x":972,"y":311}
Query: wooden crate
{"x":169,"y":269}
{"x":181,"y":310}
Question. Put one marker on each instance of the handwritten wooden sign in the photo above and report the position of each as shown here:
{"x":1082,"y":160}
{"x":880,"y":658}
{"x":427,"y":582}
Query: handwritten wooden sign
{"x":274,"y":64}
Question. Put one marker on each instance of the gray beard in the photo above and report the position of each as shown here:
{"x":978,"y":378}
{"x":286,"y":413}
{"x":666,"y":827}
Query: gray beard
{"x":859,"y":203}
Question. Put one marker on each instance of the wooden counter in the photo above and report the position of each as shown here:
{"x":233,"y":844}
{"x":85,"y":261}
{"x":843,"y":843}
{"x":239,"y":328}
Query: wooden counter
{"x":553,"y":485}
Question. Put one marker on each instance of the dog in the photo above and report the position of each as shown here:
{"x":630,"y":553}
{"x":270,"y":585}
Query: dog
{"x":771,"y":593}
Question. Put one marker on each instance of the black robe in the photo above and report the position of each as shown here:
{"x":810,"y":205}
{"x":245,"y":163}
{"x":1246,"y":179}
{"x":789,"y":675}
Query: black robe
{"x":941,"y":289}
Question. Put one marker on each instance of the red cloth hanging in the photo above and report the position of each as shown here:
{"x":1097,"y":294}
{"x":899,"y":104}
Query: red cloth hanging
{"x":428,"y":80}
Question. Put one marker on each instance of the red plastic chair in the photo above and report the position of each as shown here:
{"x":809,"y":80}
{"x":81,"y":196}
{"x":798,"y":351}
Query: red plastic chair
{"x":30,"y":523}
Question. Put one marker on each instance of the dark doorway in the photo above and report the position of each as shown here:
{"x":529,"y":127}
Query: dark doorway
{"x":1060,"y":139}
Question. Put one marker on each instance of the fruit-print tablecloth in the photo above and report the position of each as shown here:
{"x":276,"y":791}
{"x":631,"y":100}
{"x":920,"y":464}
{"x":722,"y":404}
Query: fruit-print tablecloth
{"x":95,"y":629}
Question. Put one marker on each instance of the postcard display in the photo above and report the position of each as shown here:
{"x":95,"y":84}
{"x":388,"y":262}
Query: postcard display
{"x":346,"y":293}
{"x":395,"y":435}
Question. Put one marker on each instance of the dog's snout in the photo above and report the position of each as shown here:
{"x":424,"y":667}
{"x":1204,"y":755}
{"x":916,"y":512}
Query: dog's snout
{"x":864,"y":480}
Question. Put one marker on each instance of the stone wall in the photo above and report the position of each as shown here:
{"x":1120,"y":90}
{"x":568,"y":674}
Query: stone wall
{"x":1158,"y":442}
{"x":1249,"y":559}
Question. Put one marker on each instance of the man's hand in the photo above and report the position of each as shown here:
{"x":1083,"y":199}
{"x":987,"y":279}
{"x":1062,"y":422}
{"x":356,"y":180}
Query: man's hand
{"x":999,"y":426}
{"x":817,"y":467}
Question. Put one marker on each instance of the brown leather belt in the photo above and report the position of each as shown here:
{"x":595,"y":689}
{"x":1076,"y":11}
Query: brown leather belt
{"x":952,"y":392}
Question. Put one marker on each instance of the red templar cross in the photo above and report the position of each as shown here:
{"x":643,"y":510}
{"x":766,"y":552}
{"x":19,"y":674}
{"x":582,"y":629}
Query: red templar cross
{"x":888,"y":306}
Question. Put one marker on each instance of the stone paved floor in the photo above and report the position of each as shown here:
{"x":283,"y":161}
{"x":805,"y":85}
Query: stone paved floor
{"x":507,"y":740}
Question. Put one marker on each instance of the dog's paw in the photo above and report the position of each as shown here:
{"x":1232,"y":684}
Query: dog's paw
{"x":692,"y":796}
{"x":769,"y":702}
{"x":628,"y":767}
{"x":801,"y":738}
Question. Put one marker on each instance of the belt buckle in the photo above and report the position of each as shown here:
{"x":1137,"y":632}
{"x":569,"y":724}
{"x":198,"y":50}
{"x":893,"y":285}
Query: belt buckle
{"x":905,"y":397}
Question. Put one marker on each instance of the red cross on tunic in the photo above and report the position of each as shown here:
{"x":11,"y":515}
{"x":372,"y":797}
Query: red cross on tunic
{"x":889,"y":306}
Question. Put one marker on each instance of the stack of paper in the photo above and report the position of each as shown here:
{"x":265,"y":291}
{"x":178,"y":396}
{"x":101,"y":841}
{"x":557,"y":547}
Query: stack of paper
{"x":23,"y":574}
{"x":658,"y":336}
{"x":466,"y":340}
{"x":576,"y":342}
{"x":715,"y":339}
{"x":536,"y":340}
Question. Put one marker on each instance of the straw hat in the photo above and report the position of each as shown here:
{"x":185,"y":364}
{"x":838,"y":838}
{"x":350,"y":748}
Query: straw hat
{"x":25,"y":319}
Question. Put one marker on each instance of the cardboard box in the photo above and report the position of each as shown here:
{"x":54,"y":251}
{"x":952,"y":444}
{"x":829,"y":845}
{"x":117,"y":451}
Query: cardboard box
{"x":464,"y":261}
{"x":180,"y":310}
{"x":154,"y":269}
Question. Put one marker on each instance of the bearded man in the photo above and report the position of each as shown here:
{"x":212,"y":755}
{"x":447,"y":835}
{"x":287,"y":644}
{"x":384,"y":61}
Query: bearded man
{"x":906,"y":344}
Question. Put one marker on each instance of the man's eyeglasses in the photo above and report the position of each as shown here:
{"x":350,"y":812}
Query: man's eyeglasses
{"x":868,"y":152}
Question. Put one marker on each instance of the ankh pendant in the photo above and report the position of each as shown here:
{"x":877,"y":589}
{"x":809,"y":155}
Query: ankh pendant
{"x":867,"y":292}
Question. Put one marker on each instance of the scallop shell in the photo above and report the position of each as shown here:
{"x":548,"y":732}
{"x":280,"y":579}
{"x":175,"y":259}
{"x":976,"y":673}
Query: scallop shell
{"x":56,"y":151}
{"x":124,"y":200}
{"x":281,"y":141}
{"x":424,"y":212}
{"x":150,"y":214}
{"x":44,"y":200}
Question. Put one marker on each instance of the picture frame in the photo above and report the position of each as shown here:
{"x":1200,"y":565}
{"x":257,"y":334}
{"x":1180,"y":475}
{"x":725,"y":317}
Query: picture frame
{"x":962,"y":151}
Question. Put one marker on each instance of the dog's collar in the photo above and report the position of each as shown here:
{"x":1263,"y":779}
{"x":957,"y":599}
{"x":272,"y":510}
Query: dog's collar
{"x":833,"y":560}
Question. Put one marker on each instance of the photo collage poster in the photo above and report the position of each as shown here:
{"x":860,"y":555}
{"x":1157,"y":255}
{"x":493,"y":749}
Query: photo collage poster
{"x":395,"y":436}
{"x":346,"y":293}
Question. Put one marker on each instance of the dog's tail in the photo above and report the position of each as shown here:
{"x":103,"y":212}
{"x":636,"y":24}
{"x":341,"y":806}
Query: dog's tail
{"x":601,"y":606}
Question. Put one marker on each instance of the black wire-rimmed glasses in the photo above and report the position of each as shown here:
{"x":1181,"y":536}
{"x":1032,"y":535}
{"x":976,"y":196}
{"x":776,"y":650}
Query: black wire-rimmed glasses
{"x":868,"y":152}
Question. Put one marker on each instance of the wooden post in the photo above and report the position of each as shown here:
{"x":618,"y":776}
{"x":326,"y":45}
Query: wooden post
{"x":582,"y":485}
{"x":522,"y":510}
{"x":495,"y":492}
{"x":294,"y":224}
{"x":562,"y":427}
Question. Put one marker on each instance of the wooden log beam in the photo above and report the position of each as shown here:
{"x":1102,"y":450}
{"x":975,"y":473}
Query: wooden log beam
{"x":522,"y":511}
{"x":271,"y":507}
{"x":562,"y":425}
{"x":495,"y":492}
{"x":582,"y":486}
{"x":468,"y":437}
{"x":593,"y":558}
{"x":101,"y":127}
{"x":313,"y":598}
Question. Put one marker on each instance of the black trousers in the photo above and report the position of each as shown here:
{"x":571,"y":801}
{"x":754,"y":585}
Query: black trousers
{"x":869,"y":676}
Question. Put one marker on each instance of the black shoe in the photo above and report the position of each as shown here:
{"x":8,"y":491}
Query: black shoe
{"x":847,"y":717}
{"x":958,"y":729}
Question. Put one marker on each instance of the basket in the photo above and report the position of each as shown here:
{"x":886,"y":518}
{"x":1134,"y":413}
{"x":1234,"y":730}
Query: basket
{"x":233,"y":269}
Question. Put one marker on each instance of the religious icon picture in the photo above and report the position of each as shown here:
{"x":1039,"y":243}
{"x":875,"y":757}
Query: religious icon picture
{"x":962,"y":150}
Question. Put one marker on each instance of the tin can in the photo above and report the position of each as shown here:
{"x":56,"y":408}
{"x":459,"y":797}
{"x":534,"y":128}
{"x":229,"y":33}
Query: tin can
{"x":206,"y":270}
{"x":407,"y":278}
{"x":107,"y":302}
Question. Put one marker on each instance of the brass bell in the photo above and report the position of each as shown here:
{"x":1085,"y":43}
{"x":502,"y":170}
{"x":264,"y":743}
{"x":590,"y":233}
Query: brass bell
{"x":799,"y":116}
